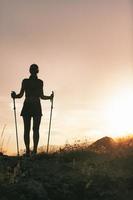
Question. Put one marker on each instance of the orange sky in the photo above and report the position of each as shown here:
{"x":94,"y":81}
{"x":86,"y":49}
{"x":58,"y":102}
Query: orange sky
{"x":84,"y":49}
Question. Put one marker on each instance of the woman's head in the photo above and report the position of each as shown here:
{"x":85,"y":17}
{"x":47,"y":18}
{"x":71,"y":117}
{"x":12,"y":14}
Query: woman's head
{"x":34,"y":69}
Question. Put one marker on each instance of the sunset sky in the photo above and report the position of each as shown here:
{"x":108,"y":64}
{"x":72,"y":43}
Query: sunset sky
{"x":84,"y":49}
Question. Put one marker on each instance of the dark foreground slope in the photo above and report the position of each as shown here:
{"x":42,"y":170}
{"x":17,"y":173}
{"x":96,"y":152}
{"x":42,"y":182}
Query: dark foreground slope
{"x":68,"y":175}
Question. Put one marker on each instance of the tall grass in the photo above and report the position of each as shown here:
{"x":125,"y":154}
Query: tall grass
{"x":2,"y":138}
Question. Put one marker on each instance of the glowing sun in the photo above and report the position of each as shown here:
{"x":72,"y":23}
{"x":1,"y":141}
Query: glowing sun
{"x":119,"y":113}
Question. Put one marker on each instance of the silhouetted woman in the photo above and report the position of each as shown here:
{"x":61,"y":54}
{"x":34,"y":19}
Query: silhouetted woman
{"x":33,"y":88}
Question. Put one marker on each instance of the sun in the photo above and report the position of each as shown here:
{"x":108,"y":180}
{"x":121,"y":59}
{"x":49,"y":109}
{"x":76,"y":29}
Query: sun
{"x":119,"y":113}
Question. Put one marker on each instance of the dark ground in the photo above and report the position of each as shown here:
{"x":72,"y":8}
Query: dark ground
{"x":72,"y":174}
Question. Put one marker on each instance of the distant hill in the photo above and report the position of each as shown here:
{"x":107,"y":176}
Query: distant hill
{"x":105,"y":144}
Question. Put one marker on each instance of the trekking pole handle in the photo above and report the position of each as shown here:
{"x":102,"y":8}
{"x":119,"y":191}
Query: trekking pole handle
{"x":14,"y":104}
{"x":12,"y":95}
{"x":52,"y":99}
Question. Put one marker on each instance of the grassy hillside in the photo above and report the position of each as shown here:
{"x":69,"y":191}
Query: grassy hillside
{"x":96,"y":172}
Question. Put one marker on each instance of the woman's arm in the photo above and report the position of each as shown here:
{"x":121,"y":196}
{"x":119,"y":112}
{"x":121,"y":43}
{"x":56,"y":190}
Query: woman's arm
{"x":20,"y":94}
{"x":44,"y":97}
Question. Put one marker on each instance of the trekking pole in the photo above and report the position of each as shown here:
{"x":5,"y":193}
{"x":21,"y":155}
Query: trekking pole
{"x":50,"y":122}
{"x":15,"y":116}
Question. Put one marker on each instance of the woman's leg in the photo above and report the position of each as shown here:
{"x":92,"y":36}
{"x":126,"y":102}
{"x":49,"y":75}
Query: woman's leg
{"x":36,"y":125}
{"x":27,"y":125}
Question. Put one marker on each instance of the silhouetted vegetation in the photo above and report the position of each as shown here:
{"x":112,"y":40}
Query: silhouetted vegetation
{"x":101,"y":171}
